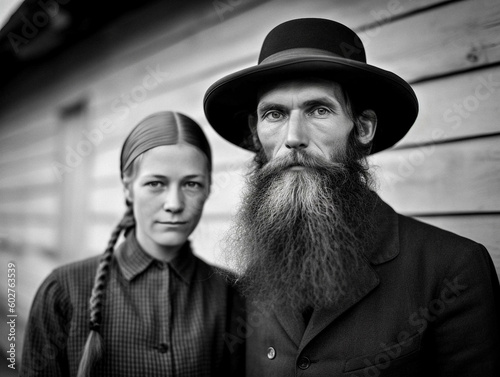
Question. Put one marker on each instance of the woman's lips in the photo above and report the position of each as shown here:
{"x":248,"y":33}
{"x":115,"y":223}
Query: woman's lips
{"x":172,"y":223}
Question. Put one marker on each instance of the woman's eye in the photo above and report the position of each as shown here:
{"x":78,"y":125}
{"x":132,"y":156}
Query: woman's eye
{"x":154,"y":184}
{"x":273,"y":115}
{"x":193,"y":185}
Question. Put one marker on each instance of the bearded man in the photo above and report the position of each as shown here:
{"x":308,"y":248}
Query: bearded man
{"x":349,"y":287}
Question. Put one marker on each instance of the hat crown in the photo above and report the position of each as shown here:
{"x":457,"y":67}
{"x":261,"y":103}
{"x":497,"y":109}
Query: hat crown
{"x":324,"y":36}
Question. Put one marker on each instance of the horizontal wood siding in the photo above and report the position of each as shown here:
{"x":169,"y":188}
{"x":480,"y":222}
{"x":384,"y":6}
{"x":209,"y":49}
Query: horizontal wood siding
{"x":443,"y":178}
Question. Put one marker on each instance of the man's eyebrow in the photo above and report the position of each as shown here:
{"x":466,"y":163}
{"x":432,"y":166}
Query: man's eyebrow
{"x":266,"y":106}
{"x":322,"y":101}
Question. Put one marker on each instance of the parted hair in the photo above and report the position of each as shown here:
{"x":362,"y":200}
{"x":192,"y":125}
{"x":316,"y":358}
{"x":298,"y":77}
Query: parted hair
{"x":163,"y":128}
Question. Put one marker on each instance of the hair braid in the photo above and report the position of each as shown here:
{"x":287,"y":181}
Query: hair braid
{"x":93,"y":347}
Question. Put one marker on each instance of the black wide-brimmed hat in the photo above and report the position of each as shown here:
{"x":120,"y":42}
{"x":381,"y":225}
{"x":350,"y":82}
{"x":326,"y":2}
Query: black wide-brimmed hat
{"x":313,"y":47}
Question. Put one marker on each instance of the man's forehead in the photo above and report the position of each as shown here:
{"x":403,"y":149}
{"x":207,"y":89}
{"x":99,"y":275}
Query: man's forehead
{"x":302,"y":89}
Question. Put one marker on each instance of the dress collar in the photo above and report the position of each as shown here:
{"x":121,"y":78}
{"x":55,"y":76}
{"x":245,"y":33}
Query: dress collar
{"x":133,"y":260}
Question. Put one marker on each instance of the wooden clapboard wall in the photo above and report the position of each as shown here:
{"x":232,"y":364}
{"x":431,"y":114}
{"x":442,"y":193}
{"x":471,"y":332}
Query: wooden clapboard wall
{"x":76,"y":111}
{"x":446,"y":171}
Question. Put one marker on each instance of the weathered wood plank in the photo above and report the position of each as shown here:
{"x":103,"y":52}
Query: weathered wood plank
{"x":31,"y":204}
{"x":455,"y":37}
{"x":26,"y":126}
{"x":22,"y":149}
{"x":37,"y":234}
{"x":18,"y":219}
{"x":42,"y":165}
{"x":456,"y":107}
{"x":454,"y":177}
{"x":482,"y":229}
{"x":41,"y":174}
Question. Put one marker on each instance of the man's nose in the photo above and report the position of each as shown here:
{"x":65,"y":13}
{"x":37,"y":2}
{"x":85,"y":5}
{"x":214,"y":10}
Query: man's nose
{"x":296,"y":137}
{"x":174,"y":200}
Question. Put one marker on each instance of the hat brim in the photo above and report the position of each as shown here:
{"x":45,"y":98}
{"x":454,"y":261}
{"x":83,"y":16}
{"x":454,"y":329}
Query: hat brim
{"x":230,"y":100}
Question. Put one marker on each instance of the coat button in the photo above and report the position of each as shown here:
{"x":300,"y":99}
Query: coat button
{"x":271,"y":353}
{"x":304,"y":363}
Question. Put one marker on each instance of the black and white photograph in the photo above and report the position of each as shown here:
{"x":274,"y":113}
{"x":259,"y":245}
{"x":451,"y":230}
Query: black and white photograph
{"x":250,"y":188}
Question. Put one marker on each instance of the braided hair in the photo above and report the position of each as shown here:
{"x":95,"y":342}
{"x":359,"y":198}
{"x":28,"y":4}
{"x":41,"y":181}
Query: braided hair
{"x":164,"y":128}
{"x":93,"y":347}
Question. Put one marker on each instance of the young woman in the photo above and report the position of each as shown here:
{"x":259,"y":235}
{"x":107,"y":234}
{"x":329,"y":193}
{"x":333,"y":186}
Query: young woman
{"x":150,"y":307}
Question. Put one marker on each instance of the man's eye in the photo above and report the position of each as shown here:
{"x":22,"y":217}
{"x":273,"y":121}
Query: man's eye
{"x":273,"y":115}
{"x":320,"y":111}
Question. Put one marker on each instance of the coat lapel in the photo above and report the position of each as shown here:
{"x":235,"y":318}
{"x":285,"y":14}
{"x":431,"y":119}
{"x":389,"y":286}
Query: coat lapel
{"x":366,"y":280}
{"x":292,"y":324}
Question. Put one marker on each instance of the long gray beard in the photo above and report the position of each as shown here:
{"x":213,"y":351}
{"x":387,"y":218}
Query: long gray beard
{"x":300,"y":235}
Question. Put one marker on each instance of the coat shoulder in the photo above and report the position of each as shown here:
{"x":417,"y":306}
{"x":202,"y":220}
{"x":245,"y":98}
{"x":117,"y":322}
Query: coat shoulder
{"x":438,"y":248}
{"x":417,"y":231}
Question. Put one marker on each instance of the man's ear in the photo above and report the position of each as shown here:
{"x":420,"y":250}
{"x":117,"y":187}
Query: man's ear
{"x":252,"y":125}
{"x":367,"y":125}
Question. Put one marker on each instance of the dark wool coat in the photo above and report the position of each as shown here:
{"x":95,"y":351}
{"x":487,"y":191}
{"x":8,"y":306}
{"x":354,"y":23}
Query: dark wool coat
{"x":427,"y":304}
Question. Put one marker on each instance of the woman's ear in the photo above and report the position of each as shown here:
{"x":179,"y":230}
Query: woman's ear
{"x":367,"y":125}
{"x":209,"y":186}
{"x":127,"y":190}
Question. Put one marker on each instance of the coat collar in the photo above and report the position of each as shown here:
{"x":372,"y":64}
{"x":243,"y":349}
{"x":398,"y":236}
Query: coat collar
{"x":386,"y":241}
{"x":385,"y":248}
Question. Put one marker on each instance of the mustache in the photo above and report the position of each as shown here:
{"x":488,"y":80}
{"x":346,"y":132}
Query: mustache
{"x":301,"y":158}
{"x":278,"y":166}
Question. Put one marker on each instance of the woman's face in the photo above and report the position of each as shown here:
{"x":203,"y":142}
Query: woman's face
{"x":168,"y":193}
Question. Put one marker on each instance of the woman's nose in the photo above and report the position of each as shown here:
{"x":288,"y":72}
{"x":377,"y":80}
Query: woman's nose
{"x":174,"y":200}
